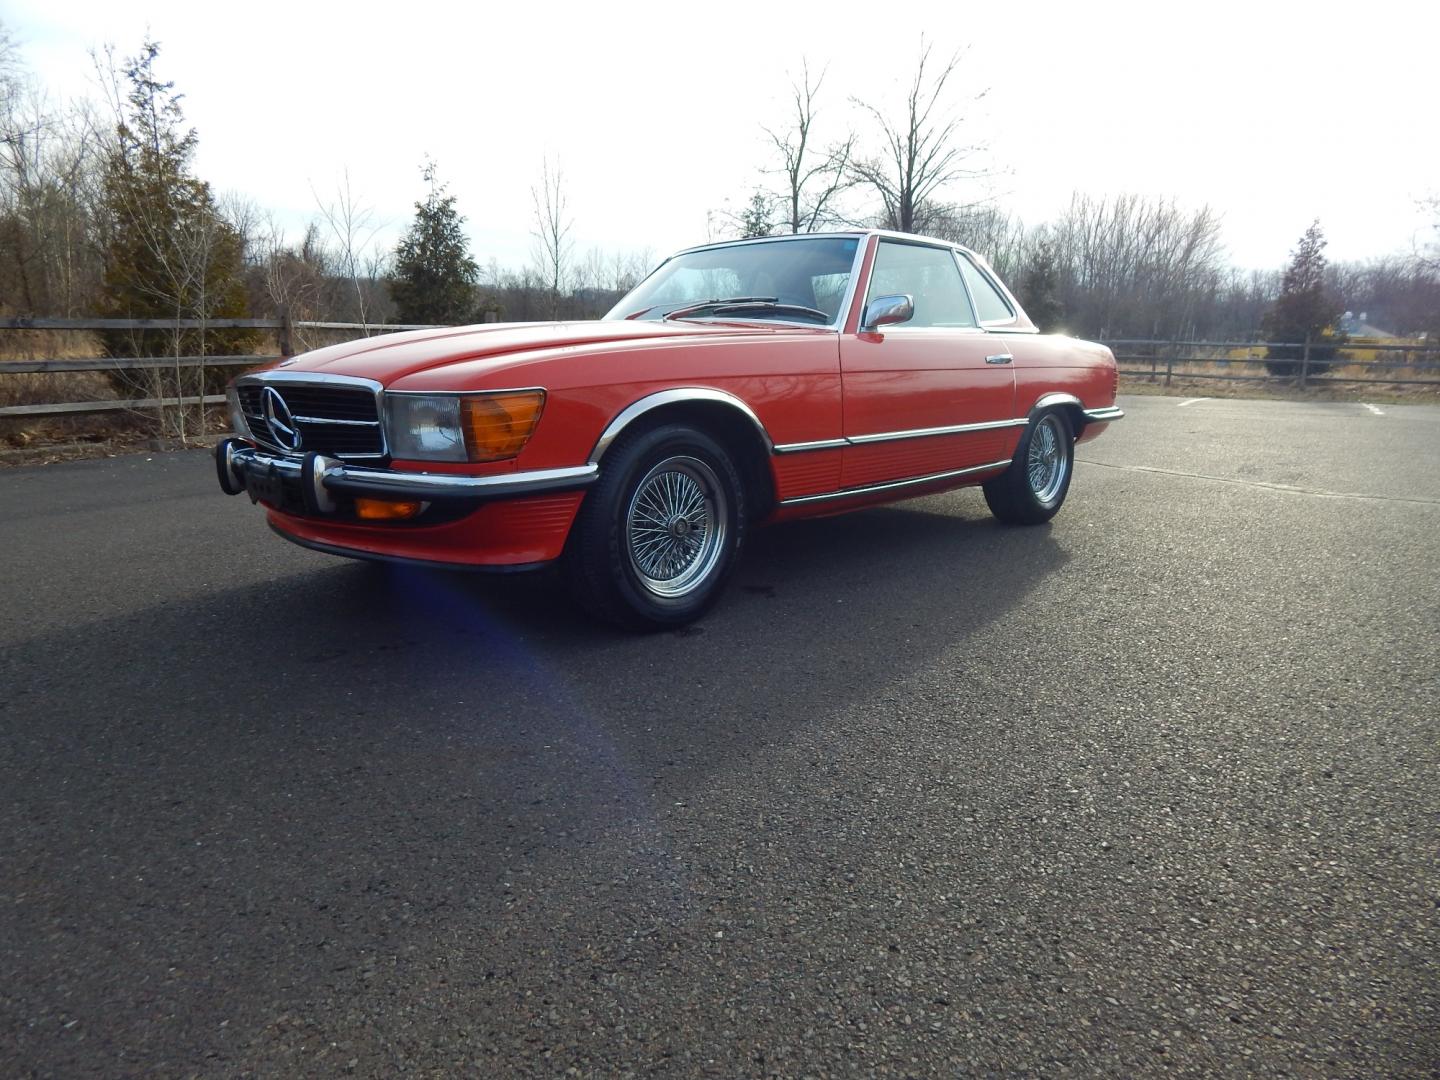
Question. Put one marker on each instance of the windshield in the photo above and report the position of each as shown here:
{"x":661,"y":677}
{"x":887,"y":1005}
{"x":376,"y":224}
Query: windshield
{"x":779,"y":279}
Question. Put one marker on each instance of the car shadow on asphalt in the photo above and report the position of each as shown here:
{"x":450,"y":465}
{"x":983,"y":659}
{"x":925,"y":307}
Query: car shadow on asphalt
{"x":264,"y":785}
{"x":821,"y":614}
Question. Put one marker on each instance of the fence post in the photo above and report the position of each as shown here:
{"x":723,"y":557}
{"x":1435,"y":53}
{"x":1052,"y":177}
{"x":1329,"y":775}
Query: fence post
{"x":1170,"y":362}
{"x":1305,"y":361}
{"x":286,"y":327}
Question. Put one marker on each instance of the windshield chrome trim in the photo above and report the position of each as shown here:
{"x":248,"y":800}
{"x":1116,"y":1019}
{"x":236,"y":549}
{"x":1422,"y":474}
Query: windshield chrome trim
{"x":892,"y":485}
{"x":780,"y":239}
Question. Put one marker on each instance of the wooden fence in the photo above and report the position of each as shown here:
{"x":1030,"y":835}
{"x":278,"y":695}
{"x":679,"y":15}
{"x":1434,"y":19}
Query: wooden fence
{"x":1152,"y":360}
{"x":1314,"y":363}
{"x":283,"y":328}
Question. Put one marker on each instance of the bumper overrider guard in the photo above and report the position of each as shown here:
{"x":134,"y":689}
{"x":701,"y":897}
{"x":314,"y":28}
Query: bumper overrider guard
{"x":321,"y":478}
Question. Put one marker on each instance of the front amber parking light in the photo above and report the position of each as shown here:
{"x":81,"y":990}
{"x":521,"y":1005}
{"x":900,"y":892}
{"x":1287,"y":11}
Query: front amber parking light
{"x":497,"y":425}
{"x":385,"y":510}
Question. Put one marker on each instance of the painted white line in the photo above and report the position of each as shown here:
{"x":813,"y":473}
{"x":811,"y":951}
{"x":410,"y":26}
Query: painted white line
{"x":1289,"y":489}
{"x":1191,"y":401}
{"x":1373,"y":408}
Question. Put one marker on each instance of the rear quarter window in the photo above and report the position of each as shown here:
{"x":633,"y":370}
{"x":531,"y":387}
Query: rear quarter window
{"x":989,"y":304}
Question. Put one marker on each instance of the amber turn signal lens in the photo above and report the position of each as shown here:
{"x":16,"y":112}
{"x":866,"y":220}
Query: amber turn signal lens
{"x":497,"y":426}
{"x":384,"y":510}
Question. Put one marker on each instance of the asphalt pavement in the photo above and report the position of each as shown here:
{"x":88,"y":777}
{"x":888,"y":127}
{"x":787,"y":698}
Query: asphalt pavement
{"x":1154,"y":789}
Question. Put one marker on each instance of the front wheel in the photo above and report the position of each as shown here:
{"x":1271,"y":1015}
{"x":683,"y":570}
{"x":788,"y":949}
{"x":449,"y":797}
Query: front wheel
{"x":660,"y":531}
{"x":1033,"y":488}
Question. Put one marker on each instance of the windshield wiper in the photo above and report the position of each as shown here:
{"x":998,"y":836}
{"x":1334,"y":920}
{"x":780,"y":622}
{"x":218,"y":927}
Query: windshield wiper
{"x":737,"y":304}
{"x":704,"y":305}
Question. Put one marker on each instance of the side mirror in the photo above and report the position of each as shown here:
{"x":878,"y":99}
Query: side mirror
{"x":884,"y":310}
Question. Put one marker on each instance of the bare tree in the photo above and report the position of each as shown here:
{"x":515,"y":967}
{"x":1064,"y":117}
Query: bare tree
{"x":1399,"y":293}
{"x":1429,"y":254}
{"x":49,"y":179}
{"x":992,"y":232}
{"x":629,"y":268}
{"x":1128,"y":265}
{"x":245,"y":217}
{"x":814,"y":177}
{"x":923,"y":150}
{"x":357,"y":258}
{"x":553,"y":245}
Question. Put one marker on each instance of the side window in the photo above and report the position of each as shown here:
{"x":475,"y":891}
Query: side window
{"x":929,"y":276}
{"x":988,"y":302}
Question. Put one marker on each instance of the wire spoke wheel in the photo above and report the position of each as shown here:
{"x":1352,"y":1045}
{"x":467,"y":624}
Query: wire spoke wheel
{"x":1046,"y":464}
{"x":675,"y":526}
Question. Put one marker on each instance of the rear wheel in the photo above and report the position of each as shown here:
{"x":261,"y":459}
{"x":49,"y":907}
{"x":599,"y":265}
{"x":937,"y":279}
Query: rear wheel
{"x":661,"y":530}
{"x":1033,"y":488}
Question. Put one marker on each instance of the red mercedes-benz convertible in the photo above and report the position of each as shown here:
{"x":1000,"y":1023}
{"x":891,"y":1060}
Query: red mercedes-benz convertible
{"x":740,"y":383}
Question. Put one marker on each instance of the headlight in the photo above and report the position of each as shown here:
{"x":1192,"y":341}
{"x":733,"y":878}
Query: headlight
{"x":238,"y":423}
{"x":461,"y":427}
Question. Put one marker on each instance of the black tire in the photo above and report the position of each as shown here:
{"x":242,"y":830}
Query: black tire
{"x":660,"y":532}
{"x":1030,"y":492}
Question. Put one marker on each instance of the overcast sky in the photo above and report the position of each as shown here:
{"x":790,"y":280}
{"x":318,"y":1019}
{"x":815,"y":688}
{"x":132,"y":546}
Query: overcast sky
{"x":1273,"y":113}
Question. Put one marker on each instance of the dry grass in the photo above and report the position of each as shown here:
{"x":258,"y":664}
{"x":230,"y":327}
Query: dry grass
{"x":1365,"y":386}
{"x":43,"y":387}
{"x":1351,"y":378}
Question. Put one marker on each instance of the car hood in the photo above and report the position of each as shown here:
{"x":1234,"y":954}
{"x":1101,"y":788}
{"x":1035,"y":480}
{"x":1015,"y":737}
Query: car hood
{"x":388,"y":357}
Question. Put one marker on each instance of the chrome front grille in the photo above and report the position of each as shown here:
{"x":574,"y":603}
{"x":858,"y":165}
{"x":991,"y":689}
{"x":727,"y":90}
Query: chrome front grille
{"x":333,"y":417}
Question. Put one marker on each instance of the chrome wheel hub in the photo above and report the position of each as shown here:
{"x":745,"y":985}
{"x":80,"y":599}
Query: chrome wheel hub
{"x":675,"y":526}
{"x":1046,"y":463}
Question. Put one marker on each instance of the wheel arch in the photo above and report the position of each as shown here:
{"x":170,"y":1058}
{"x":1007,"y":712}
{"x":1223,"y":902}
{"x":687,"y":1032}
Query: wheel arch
{"x":1069,"y":404}
{"x":723,"y":416}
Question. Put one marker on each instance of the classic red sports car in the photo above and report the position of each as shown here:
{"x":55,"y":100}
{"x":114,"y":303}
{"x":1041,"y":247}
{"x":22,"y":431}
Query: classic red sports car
{"x":740,"y":383}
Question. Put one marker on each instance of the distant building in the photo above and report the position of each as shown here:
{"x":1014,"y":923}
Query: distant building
{"x":1355,"y":326}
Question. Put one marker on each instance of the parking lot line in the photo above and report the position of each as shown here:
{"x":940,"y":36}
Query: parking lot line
{"x":1374,"y":408}
{"x":1191,"y":401}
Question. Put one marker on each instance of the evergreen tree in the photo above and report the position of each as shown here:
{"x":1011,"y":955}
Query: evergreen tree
{"x":1304,"y":308}
{"x":756,"y":219}
{"x":169,"y":254}
{"x":1039,"y":289}
{"x":435,"y":276}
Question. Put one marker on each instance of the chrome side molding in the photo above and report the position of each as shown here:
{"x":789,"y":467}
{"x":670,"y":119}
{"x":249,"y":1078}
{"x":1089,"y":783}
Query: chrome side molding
{"x":891,"y":436}
{"x":891,"y":485}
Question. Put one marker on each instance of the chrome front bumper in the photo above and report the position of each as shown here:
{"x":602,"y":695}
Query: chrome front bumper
{"x":1105,"y":415}
{"x":320,"y":478}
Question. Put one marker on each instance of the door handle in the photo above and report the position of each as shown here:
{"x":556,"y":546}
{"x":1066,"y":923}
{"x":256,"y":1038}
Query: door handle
{"x":999,"y":358}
